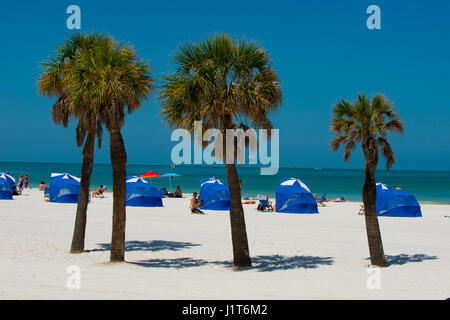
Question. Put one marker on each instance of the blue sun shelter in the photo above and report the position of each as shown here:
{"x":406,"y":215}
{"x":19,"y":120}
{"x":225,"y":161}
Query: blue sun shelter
{"x":11,"y":182}
{"x":294,"y":196}
{"x":396,"y":203}
{"x":5,"y":189}
{"x":141,"y":193}
{"x":215,"y":194}
{"x":64,"y":188}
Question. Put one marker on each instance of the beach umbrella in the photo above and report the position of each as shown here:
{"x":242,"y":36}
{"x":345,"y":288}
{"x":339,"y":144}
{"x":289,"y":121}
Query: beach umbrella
{"x":171,"y":175}
{"x":11,"y":181}
{"x":64,"y":188}
{"x":141,"y":193}
{"x":294,"y":196}
{"x":5,"y":189}
{"x":215,"y":194}
{"x":150,"y":174}
{"x":396,"y":203}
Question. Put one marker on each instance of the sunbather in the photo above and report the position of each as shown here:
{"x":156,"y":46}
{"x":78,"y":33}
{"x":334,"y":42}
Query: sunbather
{"x":340,"y":199}
{"x":98,"y":192}
{"x":322,"y":200}
{"x":265,"y":205}
{"x":178,"y":193}
{"x":194,"y":204}
{"x":42,"y":186}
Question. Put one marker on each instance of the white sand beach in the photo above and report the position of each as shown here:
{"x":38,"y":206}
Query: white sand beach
{"x":172,"y":254}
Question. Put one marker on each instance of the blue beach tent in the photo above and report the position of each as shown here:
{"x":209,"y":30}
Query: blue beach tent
{"x":5,"y":188}
{"x":64,"y":188}
{"x":141,"y":193}
{"x":215,"y":194}
{"x":293,"y":196}
{"x":11,"y":181}
{"x":396,"y":203}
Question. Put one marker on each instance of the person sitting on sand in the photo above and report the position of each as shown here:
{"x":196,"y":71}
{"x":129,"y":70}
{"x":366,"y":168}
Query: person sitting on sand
{"x":42,"y":186}
{"x":98,"y":192}
{"x":340,"y":199}
{"x":195,"y":204}
{"x":178,"y":193}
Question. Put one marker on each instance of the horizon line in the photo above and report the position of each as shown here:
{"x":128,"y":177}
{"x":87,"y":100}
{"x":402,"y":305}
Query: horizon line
{"x":220,"y":165}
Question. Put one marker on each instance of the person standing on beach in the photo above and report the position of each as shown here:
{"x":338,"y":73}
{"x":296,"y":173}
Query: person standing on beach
{"x":20,"y":185}
{"x":195,"y":204}
{"x":26,"y":181}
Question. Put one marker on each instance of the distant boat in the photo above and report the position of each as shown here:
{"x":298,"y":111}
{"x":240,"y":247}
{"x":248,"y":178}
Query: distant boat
{"x":317,"y":168}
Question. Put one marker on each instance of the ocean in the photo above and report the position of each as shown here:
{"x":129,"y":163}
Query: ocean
{"x":427,"y":186}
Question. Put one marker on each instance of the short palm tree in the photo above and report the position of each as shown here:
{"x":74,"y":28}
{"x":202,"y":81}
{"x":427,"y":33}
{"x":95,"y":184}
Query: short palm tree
{"x":53,"y":82}
{"x":226,"y":84}
{"x":367,"y":122}
{"x":115,"y":81}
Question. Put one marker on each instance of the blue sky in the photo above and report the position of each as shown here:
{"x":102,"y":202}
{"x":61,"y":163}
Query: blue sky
{"x":322,"y":51}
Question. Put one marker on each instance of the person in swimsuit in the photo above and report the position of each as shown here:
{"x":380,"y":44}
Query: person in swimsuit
{"x":20,"y":185}
{"x":194,"y":205}
{"x":178,"y":193}
{"x":98,"y":192}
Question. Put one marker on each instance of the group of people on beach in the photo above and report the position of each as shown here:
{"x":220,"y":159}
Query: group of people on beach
{"x":22,"y":182}
{"x":98,"y":193}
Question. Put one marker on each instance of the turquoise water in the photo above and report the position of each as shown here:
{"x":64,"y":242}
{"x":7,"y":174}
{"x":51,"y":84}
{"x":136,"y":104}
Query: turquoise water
{"x":427,"y":186}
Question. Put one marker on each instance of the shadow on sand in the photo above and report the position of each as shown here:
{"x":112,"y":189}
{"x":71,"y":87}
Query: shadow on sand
{"x":154,"y":245}
{"x":401,"y":259}
{"x":260,"y":263}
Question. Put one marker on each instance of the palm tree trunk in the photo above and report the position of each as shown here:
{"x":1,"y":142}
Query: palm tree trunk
{"x":241,"y":254}
{"x":377,"y":257}
{"x":119,"y":165}
{"x":83,"y":198}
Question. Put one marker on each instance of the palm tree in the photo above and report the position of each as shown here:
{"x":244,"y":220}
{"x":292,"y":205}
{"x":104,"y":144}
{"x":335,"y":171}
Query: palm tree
{"x":53,"y":82}
{"x":115,"y":82}
{"x":367,"y":122}
{"x":226,"y":84}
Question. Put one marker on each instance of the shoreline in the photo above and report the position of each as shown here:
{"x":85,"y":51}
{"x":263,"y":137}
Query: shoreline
{"x":189,"y":195}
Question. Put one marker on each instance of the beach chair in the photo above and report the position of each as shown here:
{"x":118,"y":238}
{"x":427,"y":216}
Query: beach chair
{"x":361,"y":210}
{"x":101,"y":195}
{"x":264,"y":205}
{"x":322,"y":200}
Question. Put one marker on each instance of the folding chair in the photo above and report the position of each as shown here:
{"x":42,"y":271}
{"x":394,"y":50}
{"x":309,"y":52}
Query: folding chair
{"x":322,"y":200}
{"x":361,"y":210}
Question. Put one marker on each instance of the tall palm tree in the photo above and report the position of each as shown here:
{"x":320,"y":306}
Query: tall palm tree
{"x":226,"y":84}
{"x":367,"y":122}
{"x":53,"y":82}
{"x":115,"y":81}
